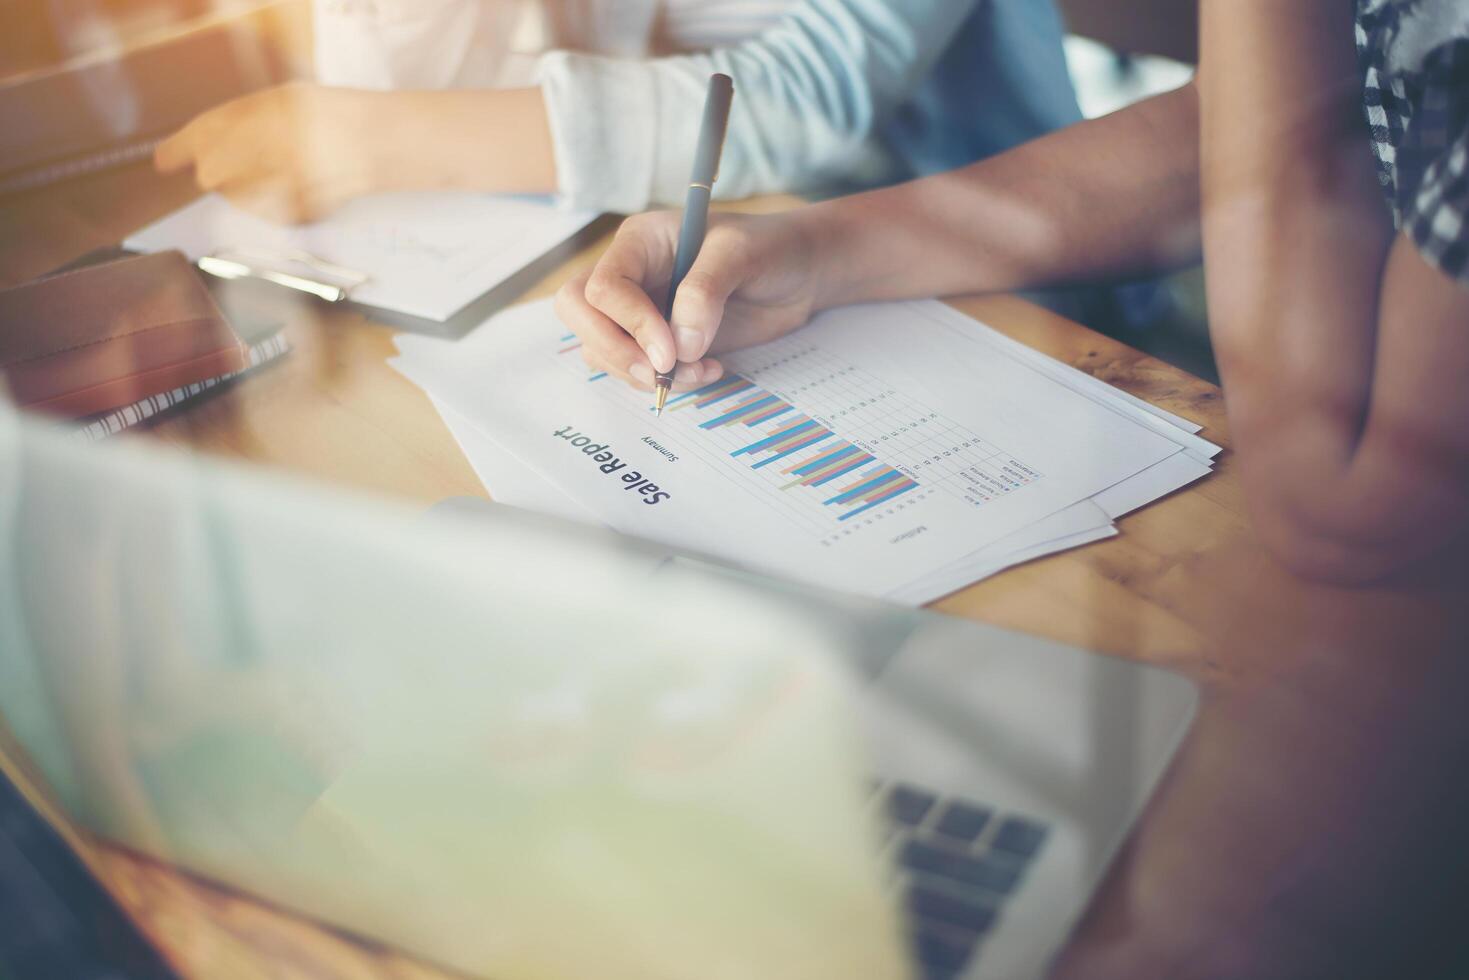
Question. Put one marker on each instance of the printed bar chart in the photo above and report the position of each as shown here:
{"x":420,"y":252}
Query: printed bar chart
{"x":822,"y":461}
{"x":827,"y":445}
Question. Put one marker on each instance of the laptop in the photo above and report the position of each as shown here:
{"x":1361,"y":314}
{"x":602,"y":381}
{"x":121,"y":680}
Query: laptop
{"x":521,"y":748}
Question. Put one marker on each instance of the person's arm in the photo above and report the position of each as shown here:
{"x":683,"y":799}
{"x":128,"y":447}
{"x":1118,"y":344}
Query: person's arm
{"x":296,"y":152}
{"x":1343,"y":352}
{"x":808,"y":93}
{"x":611,"y":134}
{"x":1110,"y":198}
{"x":1107,"y":199}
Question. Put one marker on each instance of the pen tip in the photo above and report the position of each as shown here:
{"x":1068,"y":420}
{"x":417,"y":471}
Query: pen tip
{"x":660,"y":398}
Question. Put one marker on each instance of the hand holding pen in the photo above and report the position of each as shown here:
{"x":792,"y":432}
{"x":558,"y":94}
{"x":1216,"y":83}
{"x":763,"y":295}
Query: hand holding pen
{"x":753,"y":279}
{"x":696,"y":205}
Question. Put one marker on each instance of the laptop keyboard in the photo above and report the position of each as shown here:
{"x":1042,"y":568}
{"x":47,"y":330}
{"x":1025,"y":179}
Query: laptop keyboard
{"x":58,"y":921}
{"x":957,"y":863}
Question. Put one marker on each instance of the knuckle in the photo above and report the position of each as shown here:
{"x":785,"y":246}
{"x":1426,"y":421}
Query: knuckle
{"x":643,"y":331}
{"x":697,"y":287}
{"x":208,"y":174}
{"x":599,"y":289}
{"x":636,"y":223}
{"x":213,"y":125}
{"x":732,"y":238}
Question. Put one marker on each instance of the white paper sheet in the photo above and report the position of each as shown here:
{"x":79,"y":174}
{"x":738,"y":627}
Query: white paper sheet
{"x":509,"y":481}
{"x":1075,"y":377}
{"x":1077,"y":525}
{"x":965,"y":448}
{"x":1158,"y":480}
{"x":1165,"y":423}
{"x":505,"y":478}
{"x":425,"y":254}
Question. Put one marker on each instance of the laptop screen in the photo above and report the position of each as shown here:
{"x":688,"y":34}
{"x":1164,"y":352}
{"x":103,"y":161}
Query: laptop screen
{"x":515,"y":749}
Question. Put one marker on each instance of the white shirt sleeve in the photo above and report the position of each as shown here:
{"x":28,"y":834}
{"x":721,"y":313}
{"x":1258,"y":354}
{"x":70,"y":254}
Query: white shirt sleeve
{"x":808,"y":94}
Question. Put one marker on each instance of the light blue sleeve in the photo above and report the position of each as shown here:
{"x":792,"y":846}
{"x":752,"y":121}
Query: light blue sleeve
{"x":809,"y":94}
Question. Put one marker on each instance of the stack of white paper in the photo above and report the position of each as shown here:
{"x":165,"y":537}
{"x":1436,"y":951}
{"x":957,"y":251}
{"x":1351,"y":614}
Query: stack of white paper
{"x":899,"y":450}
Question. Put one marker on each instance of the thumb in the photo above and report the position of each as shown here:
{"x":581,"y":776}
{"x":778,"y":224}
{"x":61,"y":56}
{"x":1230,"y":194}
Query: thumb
{"x":698,"y":308}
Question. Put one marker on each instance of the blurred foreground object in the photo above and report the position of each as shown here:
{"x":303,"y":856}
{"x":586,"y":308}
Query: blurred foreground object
{"x":475,"y":740}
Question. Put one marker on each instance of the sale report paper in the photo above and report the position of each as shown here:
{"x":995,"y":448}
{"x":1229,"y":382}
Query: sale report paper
{"x":868,"y":450}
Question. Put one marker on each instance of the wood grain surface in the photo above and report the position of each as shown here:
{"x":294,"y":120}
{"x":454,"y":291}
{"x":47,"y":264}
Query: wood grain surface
{"x":1329,"y":714}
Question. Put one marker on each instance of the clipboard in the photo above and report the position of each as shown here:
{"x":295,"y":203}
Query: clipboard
{"x":325,"y":285}
{"x":441,"y":257}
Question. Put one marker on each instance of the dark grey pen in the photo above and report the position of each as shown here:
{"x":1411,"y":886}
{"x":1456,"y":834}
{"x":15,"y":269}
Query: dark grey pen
{"x":696,"y":204}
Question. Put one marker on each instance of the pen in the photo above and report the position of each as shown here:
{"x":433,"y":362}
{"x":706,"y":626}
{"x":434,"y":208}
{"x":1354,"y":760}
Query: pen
{"x":696,"y":204}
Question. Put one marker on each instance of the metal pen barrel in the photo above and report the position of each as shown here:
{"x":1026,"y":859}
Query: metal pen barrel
{"x":696,"y":203}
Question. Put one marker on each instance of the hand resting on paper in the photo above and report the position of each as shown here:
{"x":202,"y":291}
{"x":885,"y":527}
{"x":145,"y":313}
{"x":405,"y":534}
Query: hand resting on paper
{"x":756,"y":279}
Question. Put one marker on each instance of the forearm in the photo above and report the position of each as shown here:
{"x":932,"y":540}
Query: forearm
{"x":1110,"y":198}
{"x":1342,"y":350}
{"x":1295,"y":231}
{"x":494,"y":140}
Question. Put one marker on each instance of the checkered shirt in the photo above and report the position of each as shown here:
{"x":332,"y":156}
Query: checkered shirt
{"x":1417,"y":108}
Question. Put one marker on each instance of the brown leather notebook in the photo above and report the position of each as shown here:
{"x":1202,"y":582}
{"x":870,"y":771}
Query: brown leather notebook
{"x":93,"y":339}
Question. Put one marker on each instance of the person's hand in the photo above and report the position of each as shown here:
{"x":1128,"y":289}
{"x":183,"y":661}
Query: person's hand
{"x":755,"y":279}
{"x":291,"y":153}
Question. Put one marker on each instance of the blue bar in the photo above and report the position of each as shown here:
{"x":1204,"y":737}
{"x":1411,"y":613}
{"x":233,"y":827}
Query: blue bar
{"x":880,"y":500}
{"x":794,"y":449}
{"x":778,"y":437}
{"x":856,"y":463}
{"x":862,"y":488}
{"x":566,"y":337}
{"x":788,"y":408}
{"x":598,"y":376}
{"x":826,"y":460}
{"x":730,"y":416}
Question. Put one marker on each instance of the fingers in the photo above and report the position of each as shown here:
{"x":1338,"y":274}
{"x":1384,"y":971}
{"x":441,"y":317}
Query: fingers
{"x":184,"y":148}
{"x":605,"y":346}
{"x":278,"y":201}
{"x":174,"y":153}
{"x":205,"y":144}
{"x":640,"y":253}
{"x":698,"y":308}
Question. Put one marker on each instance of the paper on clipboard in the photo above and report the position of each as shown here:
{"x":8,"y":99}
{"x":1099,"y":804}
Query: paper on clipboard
{"x":422,"y":254}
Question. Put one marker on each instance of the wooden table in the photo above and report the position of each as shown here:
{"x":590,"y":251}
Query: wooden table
{"x":1308,"y":828}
